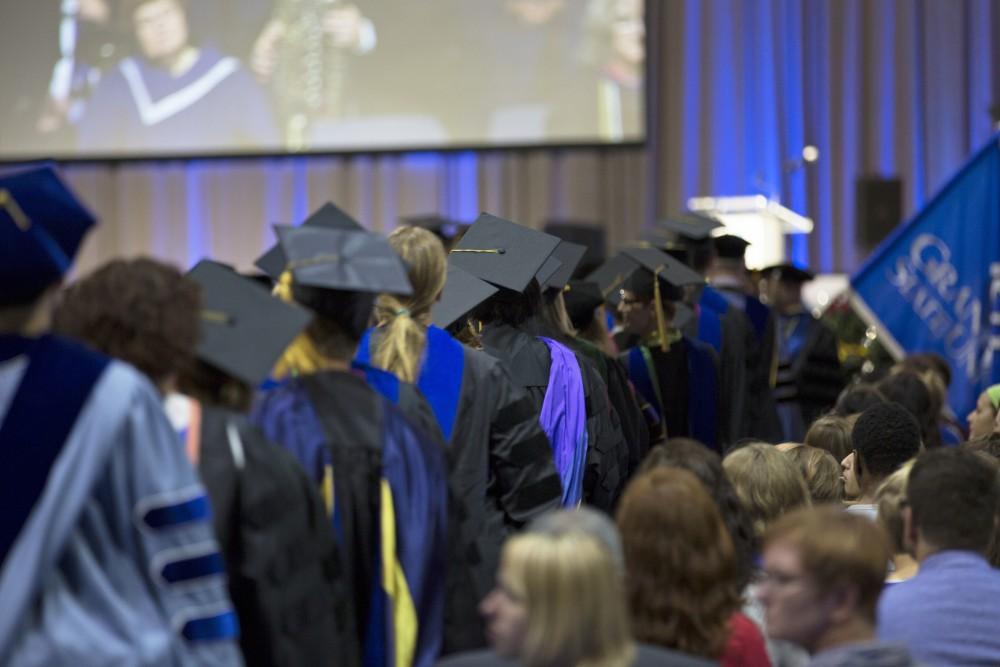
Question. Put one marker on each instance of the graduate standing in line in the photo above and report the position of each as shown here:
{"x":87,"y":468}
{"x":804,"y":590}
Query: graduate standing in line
{"x":384,"y":481}
{"x":106,"y":548}
{"x":269,"y":520}
{"x":676,"y":374}
{"x":569,"y":397}
{"x":500,"y":461}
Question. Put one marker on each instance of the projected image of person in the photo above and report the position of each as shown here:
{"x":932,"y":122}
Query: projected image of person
{"x":616,"y":50}
{"x":174,"y":96}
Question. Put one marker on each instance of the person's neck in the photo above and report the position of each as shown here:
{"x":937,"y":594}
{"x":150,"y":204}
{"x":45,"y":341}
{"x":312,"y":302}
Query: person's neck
{"x":180,"y":62}
{"x":904,"y":567}
{"x":868,"y":492}
{"x":336,"y":364}
{"x":30,"y":321}
{"x":854,"y":631}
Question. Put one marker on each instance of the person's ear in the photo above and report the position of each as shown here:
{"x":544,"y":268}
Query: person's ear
{"x":842,"y":603}
{"x":910,"y":535}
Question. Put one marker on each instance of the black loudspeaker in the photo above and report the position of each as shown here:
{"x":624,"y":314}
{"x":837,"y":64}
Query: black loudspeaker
{"x":878,"y":208}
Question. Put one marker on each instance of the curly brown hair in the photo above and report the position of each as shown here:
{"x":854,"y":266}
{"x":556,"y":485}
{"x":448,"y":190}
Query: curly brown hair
{"x":142,"y":311}
{"x":681,"y":579}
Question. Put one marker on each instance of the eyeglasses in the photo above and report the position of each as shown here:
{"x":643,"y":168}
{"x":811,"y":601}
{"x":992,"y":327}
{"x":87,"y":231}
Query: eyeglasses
{"x":629,"y":302}
{"x":778,"y":579}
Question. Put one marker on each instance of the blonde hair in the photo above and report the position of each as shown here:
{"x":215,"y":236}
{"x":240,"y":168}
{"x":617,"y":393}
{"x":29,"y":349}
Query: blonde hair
{"x":821,"y":472}
{"x":768,"y":483}
{"x":404,"y":320}
{"x":575,"y":601}
{"x":833,"y":434}
{"x":889,"y":499}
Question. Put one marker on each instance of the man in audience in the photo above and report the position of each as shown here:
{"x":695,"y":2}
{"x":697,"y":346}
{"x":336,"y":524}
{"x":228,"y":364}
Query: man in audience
{"x":885,"y":437}
{"x":947,"y":614}
{"x":823,"y":572}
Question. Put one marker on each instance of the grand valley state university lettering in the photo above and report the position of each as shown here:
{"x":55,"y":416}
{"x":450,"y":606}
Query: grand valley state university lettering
{"x":927,"y":279}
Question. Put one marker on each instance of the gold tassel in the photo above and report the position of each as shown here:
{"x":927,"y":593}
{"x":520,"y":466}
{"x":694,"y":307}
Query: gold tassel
{"x":302,"y":356}
{"x":661,"y":318}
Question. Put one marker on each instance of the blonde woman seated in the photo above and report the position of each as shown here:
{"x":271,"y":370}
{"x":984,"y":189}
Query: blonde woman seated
{"x":559,"y":601}
{"x":767,"y":482}
{"x":820,"y":470}
{"x":890,"y":498}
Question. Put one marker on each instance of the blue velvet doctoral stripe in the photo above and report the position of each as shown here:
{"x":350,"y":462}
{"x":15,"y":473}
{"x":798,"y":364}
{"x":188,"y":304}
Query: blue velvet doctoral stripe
{"x":196,"y":567}
{"x":441,"y":377}
{"x":195,"y":509}
{"x":703,"y":394}
{"x":710,"y":328}
{"x":381,"y":381}
{"x":638,"y":372}
{"x":212,"y":628}
{"x":39,"y":421}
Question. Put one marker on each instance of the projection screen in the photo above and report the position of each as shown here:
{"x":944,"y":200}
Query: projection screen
{"x":141,"y":78}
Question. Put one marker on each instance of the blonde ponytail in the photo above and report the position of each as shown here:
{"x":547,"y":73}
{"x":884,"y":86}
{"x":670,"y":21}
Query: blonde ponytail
{"x":403,"y":320}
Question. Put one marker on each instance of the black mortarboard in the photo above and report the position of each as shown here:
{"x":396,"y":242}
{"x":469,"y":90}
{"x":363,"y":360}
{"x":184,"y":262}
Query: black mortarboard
{"x":569,"y":256}
{"x":611,"y":275}
{"x":327,"y":216}
{"x":244,"y":329}
{"x":42,"y":225}
{"x":590,"y":235}
{"x":730,"y":247}
{"x":663,"y":265}
{"x":462,"y":293}
{"x":343,"y":260}
{"x":549,"y":268}
{"x":503,"y":253}
{"x":678,"y":252}
{"x":444,"y":228}
{"x":689,"y":225}
{"x":789,"y":273}
{"x":582,"y":297}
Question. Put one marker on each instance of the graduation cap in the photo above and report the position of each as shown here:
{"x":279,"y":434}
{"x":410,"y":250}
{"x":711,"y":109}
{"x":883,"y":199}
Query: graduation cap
{"x":444,"y":228}
{"x":347,"y":261}
{"x":730,"y":247}
{"x":788,"y":272}
{"x":590,"y":235}
{"x":42,"y":225}
{"x":664,"y":277}
{"x":569,"y":256}
{"x":582,"y":297}
{"x":327,"y":216}
{"x":462,"y":293}
{"x":611,"y":275}
{"x":551,"y":266}
{"x":503,"y":253}
{"x":690,"y":225}
{"x":244,"y":329}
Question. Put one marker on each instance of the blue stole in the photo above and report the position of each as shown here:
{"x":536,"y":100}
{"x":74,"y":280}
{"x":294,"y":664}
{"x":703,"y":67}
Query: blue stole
{"x":703,"y":394}
{"x":643,"y":376}
{"x":440,"y":379}
{"x":796,"y":338}
{"x":56,"y":384}
{"x":757,"y":314}
{"x":713,"y":306}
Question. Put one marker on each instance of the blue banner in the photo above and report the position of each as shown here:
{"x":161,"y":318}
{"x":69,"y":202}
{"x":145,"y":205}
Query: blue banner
{"x":934,"y":284}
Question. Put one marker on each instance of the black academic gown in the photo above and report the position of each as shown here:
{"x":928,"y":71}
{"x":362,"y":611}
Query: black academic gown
{"x":810,"y":377}
{"x":357,"y":446}
{"x":284,"y":570}
{"x":624,"y":401}
{"x":528,"y":361}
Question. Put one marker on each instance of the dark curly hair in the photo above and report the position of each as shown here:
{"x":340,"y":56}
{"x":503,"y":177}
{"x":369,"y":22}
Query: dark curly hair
{"x":706,"y":465}
{"x":856,"y":399}
{"x":885,"y":437}
{"x":142,"y":311}
{"x":681,"y":575}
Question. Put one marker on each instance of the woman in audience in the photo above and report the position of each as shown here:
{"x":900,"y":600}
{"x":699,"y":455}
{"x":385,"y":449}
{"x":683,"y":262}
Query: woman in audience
{"x":559,"y":601}
{"x":706,"y":465}
{"x":890,"y":499}
{"x":856,"y":399}
{"x":767,"y":482}
{"x":982,"y":419}
{"x":909,"y":390}
{"x":831,"y":433}
{"x":682,"y":583}
{"x":821,"y":472}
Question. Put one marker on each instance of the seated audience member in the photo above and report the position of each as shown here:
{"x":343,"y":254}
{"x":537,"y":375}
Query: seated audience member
{"x":681,"y":573}
{"x":706,"y":465}
{"x":890,"y":500}
{"x":767,"y":482}
{"x":824,"y":570}
{"x":982,"y":420}
{"x":821,"y":472}
{"x":884,"y":438}
{"x":831,"y":433}
{"x":947,"y":613}
{"x":856,"y":399}
{"x":909,"y":390}
{"x":934,"y":370}
{"x":559,"y":600}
